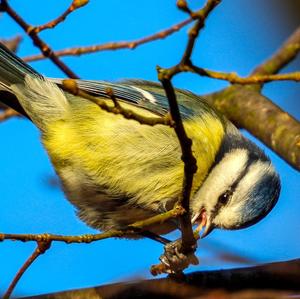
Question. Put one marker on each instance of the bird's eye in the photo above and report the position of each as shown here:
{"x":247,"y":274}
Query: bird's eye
{"x":224,"y":197}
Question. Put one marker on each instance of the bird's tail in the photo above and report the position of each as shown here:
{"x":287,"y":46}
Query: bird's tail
{"x":12,"y":69}
{"x":25,"y":90}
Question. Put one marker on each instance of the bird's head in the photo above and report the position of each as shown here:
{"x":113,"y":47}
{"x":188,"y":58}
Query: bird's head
{"x":241,"y":188}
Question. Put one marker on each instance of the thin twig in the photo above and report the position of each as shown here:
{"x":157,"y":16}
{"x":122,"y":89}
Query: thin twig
{"x":114,"y":45}
{"x":190,"y":163}
{"x":45,"y":49}
{"x":261,"y":117}
{"x":234,"y":78}
{"x":50,"y":25}
{"x":287,"y":52}
{"x":133,"y":229}
{"x":41,"y":248}
{"x":201,"y":16}
{"x":182,"y":5}
{"x":71,"y":86}
{"x":190,"y":167}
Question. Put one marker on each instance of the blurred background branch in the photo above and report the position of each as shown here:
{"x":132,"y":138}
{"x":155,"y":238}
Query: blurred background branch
{"x":247,"y":108}
{"x":275,"y":280}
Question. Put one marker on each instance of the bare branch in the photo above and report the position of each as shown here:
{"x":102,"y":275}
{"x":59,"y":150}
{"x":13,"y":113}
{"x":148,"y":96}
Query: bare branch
{"x":190,"y":166}
{"x":274,"y":280}
{"x":41,"y":248}
{"x":234,"y":78}
{"x":45,"y":49}
{"x":76,"y":51}
{"x":287,"y":52}
{"x":70,"y":86}
{"x":200,"y":16}
{"x":133,"y":229}
{"x":188,"y":243}
{"x":50,"y":25}
{"x":248,"y":109}
{"x":265,"y":120}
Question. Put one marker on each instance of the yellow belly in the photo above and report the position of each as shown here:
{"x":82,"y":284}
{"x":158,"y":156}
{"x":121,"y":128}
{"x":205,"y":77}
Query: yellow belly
{"x":96,"y":152}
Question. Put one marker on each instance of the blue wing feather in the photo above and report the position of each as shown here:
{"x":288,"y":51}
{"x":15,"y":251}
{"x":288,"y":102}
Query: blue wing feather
{"x":143,"y":94}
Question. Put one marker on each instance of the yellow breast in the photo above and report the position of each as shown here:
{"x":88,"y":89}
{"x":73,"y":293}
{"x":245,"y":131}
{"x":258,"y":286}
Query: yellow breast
{"x":126,"y":157}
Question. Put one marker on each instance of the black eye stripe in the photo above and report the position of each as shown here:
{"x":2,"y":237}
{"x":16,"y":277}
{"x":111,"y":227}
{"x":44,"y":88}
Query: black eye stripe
{"x":242,"y":175}
{"x":225,"y":197}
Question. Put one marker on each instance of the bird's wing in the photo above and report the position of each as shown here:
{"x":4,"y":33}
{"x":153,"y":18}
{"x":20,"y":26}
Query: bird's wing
{"x":144,"y":94}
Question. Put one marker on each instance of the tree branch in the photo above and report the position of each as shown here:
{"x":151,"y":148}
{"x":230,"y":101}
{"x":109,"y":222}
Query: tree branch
{"x":41,"y":248}
{"x":281,"y":278}
{"x":76,"y":51}
{"x":70,"y":86}
{"x":188,"y":240}
{"x":133,"y":229}
{"x":50,"y":25}
{"x":235,"y":79}
{"x":45,"y":49}
{"x":287,"y":52}
{"x":262,"y":118}
{"x":248,"y":109}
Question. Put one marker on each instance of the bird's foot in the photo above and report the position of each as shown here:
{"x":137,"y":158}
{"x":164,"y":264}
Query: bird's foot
{"x":173,"y":261}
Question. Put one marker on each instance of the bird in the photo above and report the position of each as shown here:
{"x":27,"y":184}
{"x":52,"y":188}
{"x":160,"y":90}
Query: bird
{"x":116,"y":171}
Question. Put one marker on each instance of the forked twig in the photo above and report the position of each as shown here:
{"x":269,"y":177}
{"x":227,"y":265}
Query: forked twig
{"x":70,"y":86}
{"x":45,"y":49}
{"x":41,"y":248}
{"x":52,"y":24}
{"x":188,"y":243}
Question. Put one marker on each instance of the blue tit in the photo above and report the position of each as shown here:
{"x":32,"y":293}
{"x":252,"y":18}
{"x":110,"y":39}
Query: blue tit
{"x":116,"y":171}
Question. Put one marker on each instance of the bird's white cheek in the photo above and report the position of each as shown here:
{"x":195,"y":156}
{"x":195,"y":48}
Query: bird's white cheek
{"x":228,"y":217}
{"x":206,"y":196}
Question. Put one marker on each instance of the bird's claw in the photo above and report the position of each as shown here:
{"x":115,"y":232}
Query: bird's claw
{"x":173,"y":261}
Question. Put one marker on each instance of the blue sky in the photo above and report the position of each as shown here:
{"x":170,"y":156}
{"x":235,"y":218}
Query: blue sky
{"x":238,"y":36}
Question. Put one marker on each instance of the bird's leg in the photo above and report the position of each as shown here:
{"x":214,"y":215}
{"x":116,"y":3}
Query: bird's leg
{"x":154,"y":237}
{"x":173,"y":260}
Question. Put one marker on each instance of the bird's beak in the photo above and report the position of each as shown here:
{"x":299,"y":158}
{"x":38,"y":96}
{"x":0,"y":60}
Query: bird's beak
{"x":203,"y":219}
{"x":209,"y":227}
